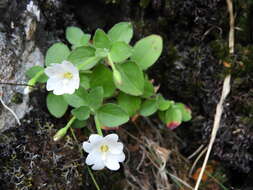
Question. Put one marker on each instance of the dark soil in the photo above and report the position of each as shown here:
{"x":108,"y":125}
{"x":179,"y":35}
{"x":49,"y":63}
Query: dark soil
{"x":191,"y":70}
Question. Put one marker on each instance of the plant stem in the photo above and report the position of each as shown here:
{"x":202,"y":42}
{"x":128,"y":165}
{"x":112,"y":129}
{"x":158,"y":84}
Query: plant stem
{"x":110,"y":62}
{"x":70,"y":122}
{"x":98,"y":126}
{"x":93,"y":178}
{"x":33,"y":80}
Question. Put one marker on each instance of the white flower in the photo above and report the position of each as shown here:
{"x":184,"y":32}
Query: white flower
{"x":104,"y":152}
{"x":63,"y":78}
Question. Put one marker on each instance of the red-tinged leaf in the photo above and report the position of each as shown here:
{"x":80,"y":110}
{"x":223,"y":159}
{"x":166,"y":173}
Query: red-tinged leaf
{"x":173,"y":125}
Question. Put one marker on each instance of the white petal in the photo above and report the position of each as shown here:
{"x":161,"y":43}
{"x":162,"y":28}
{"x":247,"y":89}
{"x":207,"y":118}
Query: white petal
{"x":115,"y":147}
{"x":94,"y":138}
{"x":53,"y":83}
{"x":74,"y":83}
{"x":87,"y":147}
{"x":112,"y":137}
{"x":119,"y":157}
{"x":111,"y":162}
{"x":53,"y":70}
{"x":98,"y":166}
{"x":59,"y":91}
{"x":95,"y":159}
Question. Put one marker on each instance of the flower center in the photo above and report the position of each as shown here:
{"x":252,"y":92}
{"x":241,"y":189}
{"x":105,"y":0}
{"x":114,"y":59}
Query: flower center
{"x":68,"y":75}
{"x":104,"y":148}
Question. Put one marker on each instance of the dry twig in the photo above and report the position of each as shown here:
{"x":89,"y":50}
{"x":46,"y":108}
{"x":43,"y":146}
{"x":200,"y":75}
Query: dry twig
{"x":225,"y":92}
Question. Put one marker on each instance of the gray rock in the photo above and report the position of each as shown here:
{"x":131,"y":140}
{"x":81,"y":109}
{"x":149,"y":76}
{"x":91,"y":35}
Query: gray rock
{"x":18,"y":52}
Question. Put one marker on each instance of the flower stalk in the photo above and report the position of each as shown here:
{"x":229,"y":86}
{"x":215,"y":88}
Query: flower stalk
{"x":62,"y":132}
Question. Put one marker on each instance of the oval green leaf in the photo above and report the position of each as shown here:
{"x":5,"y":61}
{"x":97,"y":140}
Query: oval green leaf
{"x":131,"y":104}
{"x":101,"y":40}
{"x":120,"y":51}
{"x":74,"y":35}
{"x":81,"y":113}
{"x":78,"y":99}
{"x":57,"y":53}
{"x":148,"y":107}
{"x":112,"y":115}
{"x":147,"y":51}
{"x":95,"y":98}
{"x":186,"y":112}
{"x":162,"y":103}
{"x":80,"y":55}
{"x":132,"y":80}
{"x":173,"y":117}
{"x":56,"y":105}
{"x":102,"y":76}
{"x":122,"y":31}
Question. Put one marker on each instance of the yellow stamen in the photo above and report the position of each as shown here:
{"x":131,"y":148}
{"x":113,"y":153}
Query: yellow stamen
{"x":68,"y":75}
{"x":104,"y":148}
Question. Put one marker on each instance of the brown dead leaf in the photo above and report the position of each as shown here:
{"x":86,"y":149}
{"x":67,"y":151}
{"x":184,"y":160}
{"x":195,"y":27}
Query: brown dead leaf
{"x":209,"y":170}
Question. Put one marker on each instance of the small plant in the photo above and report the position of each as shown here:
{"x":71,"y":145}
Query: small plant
{"x":104,"y":78}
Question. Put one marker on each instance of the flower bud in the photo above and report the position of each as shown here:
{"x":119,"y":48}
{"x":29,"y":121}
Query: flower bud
{"x":117,"y":76}
{"x":61,"y":133}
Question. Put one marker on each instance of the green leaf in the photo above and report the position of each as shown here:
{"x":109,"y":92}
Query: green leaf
{"x":121,"y":32}
{"x":80,"y":55}
{"x":112,"y":115}
{"x":162,"y":103}
{"x":79,"y":124}
{"x":148,"y":107}
{"x":161,"y":115}
{"x":56,"y":105}
{"x":84,"y":41}
{"x":95,"y":98}
{"x":78,"y":99}
{"x":89,"y":63}
{"x":147,"y":51}
{"x":186,"y":112}
{"x":131,"y":104}
{"x":81,"y":113}
{"x":74,"y":34}
{"x":101,"y":52}
{"x":173,"y":117}
{"x":148,"y":89}
{"x":132,"y":80}
{"x":30,"y":73}
{"x":120,"y":51}
{"x":57,"y":53}
{"x":85,"y":81}
{"x":102,"y":76}
{"x":101,"y":40}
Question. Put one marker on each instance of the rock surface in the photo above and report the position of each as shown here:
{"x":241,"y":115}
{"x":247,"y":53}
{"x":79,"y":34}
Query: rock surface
{"x":18,"y":52}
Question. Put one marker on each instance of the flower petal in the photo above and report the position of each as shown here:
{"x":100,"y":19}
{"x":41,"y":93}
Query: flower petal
{"x":112,"y":137}
{"x":94,"y":138}
{"x":115,"y":147}
{"x":119,"y":157}
{"x":53,"y":70}
{"x":95,"y":159}
{"x":53,"y":83}
{"x":112,"y":162}
{"x":87,"y":147}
